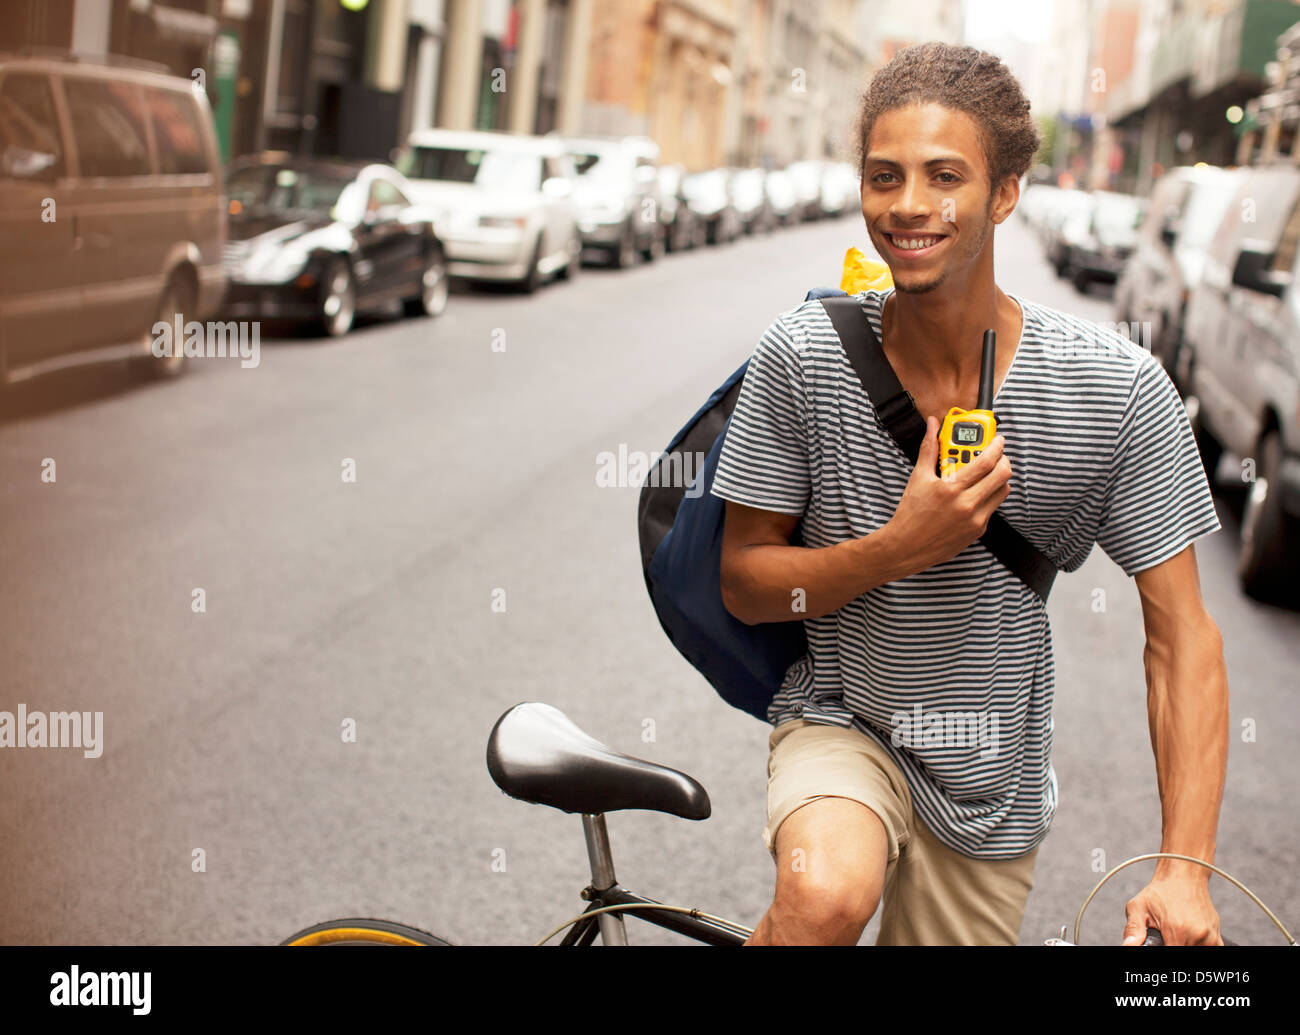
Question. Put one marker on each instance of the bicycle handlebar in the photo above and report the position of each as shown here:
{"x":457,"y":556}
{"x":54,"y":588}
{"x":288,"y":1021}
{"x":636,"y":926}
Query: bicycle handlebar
{"x":1154,"y":937}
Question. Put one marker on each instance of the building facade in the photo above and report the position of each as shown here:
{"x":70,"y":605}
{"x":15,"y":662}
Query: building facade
{"x":1199,"y":65}
{"x":339,"y":77}
{"x":714,"y":82}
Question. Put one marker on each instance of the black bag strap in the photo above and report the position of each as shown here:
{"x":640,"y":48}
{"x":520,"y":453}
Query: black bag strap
{"x":897,"y":411}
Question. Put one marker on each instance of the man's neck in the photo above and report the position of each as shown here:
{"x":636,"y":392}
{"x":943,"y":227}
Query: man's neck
{"x":940,"y":337}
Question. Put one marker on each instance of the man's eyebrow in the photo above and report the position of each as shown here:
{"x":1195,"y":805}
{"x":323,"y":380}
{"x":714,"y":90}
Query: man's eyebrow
{"x":941,"y":160}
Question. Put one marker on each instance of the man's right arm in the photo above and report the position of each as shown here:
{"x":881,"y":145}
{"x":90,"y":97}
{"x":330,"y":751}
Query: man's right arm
{"x":765,"y":579}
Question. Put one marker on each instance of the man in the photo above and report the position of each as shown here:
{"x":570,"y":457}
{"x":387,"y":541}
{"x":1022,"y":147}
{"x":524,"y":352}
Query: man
{"x":874,"y":792}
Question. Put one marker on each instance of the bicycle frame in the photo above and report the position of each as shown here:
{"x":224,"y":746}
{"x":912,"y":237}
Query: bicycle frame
{"x":604,"y":890}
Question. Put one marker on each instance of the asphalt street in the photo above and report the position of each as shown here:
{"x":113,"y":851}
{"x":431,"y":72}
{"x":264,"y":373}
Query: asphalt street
{"x":475,"y":563}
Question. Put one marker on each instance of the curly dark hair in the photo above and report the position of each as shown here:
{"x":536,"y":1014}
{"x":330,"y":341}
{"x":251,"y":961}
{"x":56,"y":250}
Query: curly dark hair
{"x":965,"y":79}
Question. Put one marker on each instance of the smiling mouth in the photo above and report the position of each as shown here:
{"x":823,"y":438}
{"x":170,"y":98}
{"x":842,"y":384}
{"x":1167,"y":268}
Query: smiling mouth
{"x":914,"y":244}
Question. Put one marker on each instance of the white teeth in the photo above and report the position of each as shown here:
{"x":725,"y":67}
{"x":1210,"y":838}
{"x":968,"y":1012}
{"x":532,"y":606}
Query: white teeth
{"x":914,"y":245}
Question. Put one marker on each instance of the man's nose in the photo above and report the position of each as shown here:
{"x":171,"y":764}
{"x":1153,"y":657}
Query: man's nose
{"x":912,"y":201}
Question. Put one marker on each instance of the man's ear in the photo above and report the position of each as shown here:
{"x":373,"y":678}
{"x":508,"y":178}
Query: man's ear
{"x":1005,"y":198}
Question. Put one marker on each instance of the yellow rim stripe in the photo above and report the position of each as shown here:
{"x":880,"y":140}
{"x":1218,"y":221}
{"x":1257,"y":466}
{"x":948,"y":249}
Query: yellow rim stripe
{"x":353,"y":934}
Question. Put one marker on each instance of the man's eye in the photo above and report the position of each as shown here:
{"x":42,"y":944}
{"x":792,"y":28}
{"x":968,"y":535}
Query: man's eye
{"x":876,"y":178}
{"x":952,"y":177}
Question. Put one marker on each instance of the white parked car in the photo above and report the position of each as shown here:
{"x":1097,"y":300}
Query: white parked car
{"x":1035,"y":201}
{"x":807,"y":179}
{"x":618,"y":197}
{"x":504,"y":203}
{"x":841,"y":189}
{"x":782,"y":197}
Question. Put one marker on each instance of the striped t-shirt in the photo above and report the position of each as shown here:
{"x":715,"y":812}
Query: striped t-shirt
{"x":951,"y":669}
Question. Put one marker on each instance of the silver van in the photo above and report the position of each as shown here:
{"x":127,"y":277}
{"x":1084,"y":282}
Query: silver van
{"x":1186,"y":209}
{"x":1240,"y":363}
{"x":112,"y":216}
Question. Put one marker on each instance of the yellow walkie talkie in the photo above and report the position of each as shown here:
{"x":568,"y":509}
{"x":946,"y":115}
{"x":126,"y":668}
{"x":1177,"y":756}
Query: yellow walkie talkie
{"x":966,"y":433}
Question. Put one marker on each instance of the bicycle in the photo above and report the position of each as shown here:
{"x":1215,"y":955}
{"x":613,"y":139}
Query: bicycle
{"x":537,"y":754}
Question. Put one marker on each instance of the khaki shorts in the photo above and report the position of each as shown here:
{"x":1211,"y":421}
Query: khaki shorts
{"x":932,"y":894}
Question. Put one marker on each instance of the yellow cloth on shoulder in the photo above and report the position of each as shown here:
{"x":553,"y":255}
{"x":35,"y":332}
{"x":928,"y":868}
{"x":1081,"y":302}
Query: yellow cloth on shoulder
{"x":862,"y":274}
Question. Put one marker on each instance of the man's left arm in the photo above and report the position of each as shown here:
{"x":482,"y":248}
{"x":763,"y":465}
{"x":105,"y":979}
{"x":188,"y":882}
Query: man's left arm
{"x":1187,"y":710}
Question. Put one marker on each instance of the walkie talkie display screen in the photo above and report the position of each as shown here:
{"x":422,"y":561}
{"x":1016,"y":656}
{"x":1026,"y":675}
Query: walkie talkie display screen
{"x":966,"y":434}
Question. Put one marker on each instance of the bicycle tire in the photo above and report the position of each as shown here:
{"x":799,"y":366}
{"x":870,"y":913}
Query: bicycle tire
{"x":362,"y":931}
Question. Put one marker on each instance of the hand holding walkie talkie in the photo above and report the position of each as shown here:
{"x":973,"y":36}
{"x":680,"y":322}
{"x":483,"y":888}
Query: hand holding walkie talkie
{"x":966,"y":433}
{"x":941,"y":514}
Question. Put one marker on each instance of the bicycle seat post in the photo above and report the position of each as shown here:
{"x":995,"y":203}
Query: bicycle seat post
{"x":612,"y":931}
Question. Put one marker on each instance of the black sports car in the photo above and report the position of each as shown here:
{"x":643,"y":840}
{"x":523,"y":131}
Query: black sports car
{"x":319,"y":240}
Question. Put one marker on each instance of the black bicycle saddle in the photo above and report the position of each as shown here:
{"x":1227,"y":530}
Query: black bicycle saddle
{"x":537,"y":754}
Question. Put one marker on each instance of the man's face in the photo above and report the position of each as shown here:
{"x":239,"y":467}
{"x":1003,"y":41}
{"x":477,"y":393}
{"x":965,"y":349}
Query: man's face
{"x":926,"y":195}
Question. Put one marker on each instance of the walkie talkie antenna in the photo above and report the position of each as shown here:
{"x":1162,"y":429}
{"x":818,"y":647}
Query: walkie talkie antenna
{"x":986,"y":371}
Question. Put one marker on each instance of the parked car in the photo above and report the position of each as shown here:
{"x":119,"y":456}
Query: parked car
{"x":1035,"y":200}
{"x":749,"y":194}
{"x":503,"y":203}
{"x":111,"y":212}
{"x":1064,"y":206}
{"x":841,"y":190}
{"x":682,"y":228}
{"x":1241,"y":366}
{"x":709,"y":196}
{"x":1096,"y":242}
{"x":807,"y":179}
{"x":781,"y":196}
{"x":319,"y":240}
{"x":618,"y":197}
{"x":1187,"y":205}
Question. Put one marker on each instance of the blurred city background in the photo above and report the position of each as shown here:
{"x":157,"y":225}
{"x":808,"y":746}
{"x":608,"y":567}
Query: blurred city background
{"x":1121,"y":88}
{"x":421,"y":263}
